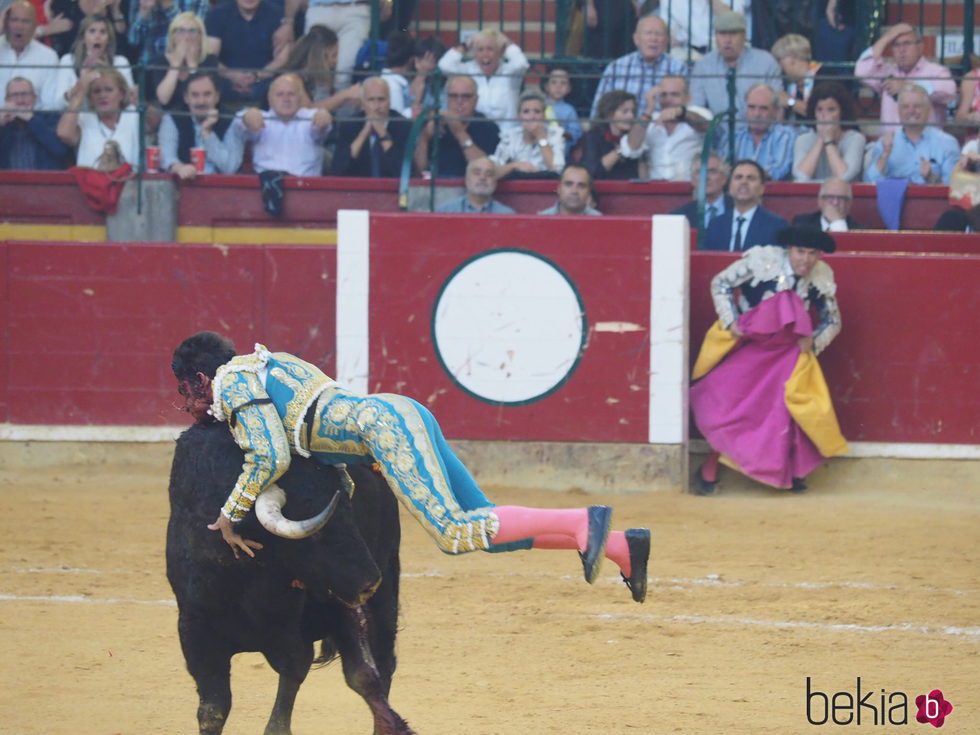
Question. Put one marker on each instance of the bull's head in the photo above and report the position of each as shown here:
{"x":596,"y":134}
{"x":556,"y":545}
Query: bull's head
{"x":268,"y":509}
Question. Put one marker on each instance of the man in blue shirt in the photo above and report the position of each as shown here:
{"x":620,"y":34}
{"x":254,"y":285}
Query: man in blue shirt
{"x":481,"y":183}
{"x":761,"y":138}
{"x":644,"y":68}
{"x":241,"y":31}
{"x":917,"y":152}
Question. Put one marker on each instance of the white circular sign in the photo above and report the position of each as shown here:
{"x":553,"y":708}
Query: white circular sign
{"x":509,"y":327}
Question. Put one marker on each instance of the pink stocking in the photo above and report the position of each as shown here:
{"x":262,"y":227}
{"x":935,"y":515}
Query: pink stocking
{"x":617,"y":549}
{"x":709,"y":470}
{"x":518,"y":522}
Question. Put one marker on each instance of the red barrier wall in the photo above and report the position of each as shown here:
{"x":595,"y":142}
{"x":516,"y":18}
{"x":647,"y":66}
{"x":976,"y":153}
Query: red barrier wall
{"x":87,"y":329}
{"x":235,"y":201}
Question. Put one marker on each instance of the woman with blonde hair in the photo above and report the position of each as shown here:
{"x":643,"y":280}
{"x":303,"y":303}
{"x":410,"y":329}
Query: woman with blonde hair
{"x":108,"y":119}
{"x":795,"y":58}
{"x":95,"y":46}
{"x":186,"y":53}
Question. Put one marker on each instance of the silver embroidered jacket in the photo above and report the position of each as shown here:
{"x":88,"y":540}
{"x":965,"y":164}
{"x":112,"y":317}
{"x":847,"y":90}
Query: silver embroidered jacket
{"x":764,"y":271}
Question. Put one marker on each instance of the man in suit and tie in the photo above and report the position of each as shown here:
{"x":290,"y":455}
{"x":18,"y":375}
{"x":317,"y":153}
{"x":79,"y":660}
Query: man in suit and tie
{"x":373,"y":144}
{"x":746,"y":224}
{"x":835,"y":207}
{"x":716,"y":201}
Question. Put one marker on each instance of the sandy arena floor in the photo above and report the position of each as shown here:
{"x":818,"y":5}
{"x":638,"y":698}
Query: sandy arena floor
{"x":872,"y":574}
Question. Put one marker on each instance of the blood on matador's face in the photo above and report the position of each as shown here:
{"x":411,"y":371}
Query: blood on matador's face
{"x":197,"y":398}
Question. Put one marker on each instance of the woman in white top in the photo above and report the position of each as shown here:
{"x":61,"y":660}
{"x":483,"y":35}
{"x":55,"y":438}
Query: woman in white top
{"x":95,"y":46}
{"x":108,"y":117}
{"x":830,"y":150}
{"x":534,"y":147}
{"x":498,"y":66}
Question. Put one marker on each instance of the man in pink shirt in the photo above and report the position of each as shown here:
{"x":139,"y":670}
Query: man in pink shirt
{"x":888,"y":76}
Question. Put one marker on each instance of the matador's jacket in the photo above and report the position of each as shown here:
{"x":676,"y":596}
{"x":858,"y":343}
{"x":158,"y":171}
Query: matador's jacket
{"x":277,"y":405}
{"x":764,"y":271}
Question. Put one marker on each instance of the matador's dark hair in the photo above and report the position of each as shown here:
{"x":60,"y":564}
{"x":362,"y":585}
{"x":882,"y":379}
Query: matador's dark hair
{"x":203,"y":352}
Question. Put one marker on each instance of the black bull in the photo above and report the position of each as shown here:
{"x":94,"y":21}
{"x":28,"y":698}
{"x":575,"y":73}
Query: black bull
{"x":294,"y":593}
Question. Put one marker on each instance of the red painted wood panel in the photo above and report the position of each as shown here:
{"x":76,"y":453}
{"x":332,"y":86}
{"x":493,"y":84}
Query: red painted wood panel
{"x":86,"y":330}
{"x":608,"y":261}
{"x":91,"y":326}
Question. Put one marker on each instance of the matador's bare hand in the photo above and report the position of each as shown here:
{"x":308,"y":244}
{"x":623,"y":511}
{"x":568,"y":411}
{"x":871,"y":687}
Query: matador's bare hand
{"x":236,"y":542}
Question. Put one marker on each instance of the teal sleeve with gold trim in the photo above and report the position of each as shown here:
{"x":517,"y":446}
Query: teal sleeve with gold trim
{"x":258,"y":430}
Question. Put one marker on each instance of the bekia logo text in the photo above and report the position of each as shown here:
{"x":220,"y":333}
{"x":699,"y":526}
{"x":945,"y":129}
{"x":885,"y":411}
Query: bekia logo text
{"x":868,"y":706}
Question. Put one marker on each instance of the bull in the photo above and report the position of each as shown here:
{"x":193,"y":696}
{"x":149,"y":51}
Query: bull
{"x":338,"y":586}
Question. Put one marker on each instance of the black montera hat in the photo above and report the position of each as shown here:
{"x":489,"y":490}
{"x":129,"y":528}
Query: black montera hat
{"x":806,"y":237}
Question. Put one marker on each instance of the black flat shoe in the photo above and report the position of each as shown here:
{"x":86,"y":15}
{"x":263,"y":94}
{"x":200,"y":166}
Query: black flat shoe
{"x":638,"y":540}
{"x":705,"y":487}
{"x":600,"y":519}
{"x":798,"y":485}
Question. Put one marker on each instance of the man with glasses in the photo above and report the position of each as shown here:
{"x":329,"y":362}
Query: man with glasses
{"x":716,"y":201}
{"x":464,"y":134}
{"x":835,"y":206}
{"x":28,"y":141}
{"x":888,"y":77}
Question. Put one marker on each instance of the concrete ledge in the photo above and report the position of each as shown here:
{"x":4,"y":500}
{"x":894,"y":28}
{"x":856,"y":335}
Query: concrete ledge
{"x":564,"y":466}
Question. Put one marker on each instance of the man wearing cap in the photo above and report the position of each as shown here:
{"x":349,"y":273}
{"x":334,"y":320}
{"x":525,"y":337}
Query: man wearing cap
{"x":709,"y":87}
{"x":758,"y":396}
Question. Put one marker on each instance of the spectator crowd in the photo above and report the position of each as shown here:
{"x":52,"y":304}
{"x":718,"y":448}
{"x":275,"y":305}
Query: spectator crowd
{"x":275,"y":86}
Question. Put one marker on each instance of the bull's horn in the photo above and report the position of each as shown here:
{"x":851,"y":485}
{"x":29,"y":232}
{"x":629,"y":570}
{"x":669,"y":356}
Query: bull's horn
{"x":268,"y":509}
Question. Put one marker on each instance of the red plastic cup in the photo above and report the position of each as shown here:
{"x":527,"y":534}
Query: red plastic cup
{"x":152,"y":159}
{"x":198,"y":156}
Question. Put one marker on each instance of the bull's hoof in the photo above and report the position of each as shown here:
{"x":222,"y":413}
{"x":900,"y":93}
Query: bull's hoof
{"x":638,"y":541}
{"x":600,"y":519}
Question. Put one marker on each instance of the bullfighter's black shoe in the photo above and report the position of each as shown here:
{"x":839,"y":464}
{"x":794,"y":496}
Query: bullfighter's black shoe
{"x":705,"y":487}
{"x":638,"y":541}
{"x":600,"y":519}
{"x":799,"y":486}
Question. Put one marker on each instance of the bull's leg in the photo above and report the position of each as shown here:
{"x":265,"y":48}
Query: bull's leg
{"x":292,"y":663}
{"x":362,"y":674}
{"x":280,"y":722}
{"x":210,"y":665}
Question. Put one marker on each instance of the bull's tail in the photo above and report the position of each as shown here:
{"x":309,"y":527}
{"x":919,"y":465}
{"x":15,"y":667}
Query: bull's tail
{"x":328,"y":652}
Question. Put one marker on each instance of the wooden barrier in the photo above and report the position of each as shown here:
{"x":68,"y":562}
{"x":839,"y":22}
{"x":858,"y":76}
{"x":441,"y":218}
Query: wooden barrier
{"x":48,"y":205}
{"x":86,"y":329}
